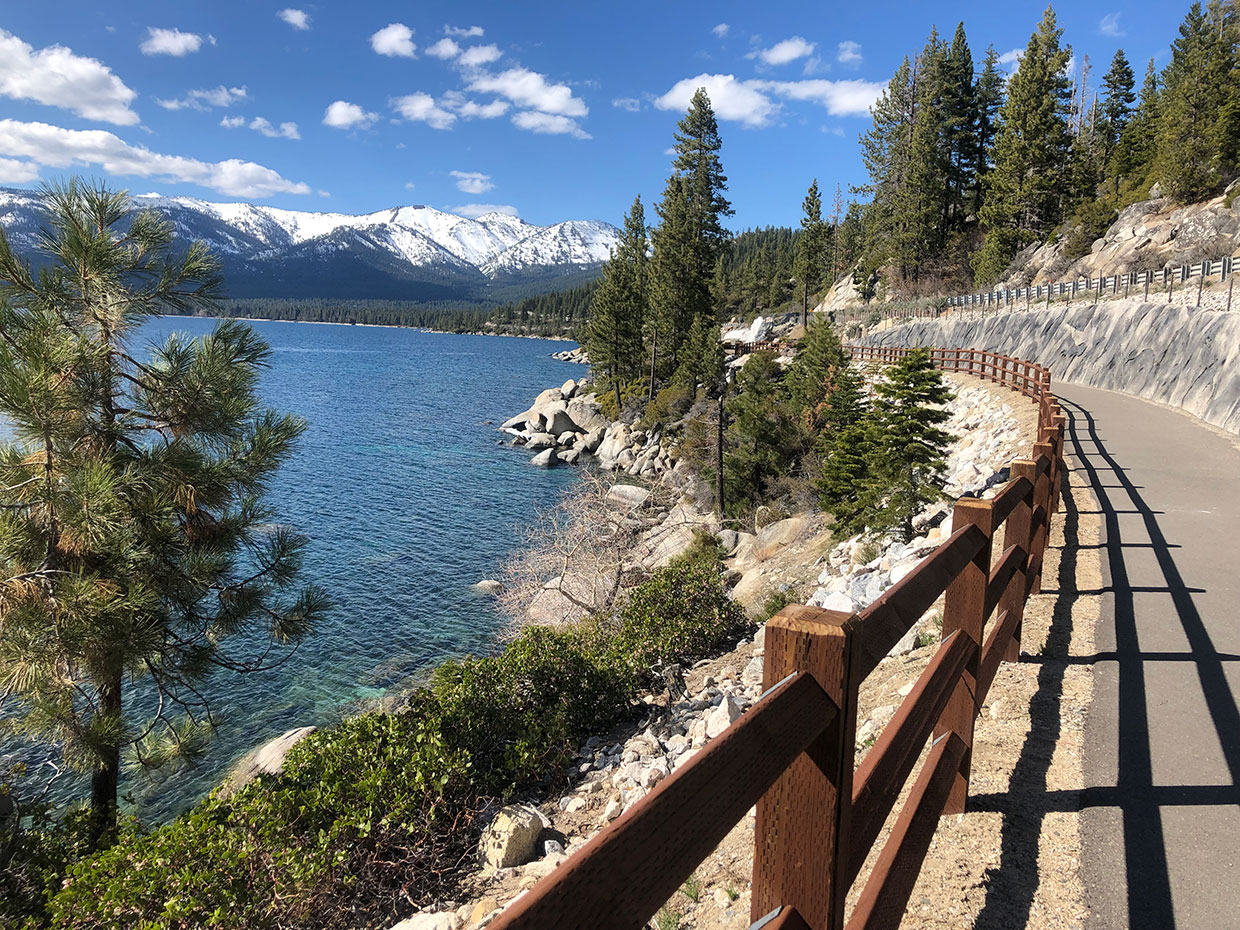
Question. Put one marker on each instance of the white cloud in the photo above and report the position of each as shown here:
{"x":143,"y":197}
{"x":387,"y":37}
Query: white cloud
{"x":737,"y":101}
{"x":848,"y":53}
{"x":479,"y":55}
{"x":13,"y":171}
{"x":1008,"y":59}
{"x":344,"y":115}
{"x":284,"y":131}
{"x":56,"y":147}
{"x":409,"y":185}
{"x":232,"y":122}
{"x":475,"y":210}
{"x":205,"y":99}
{"x":394,"y":40}
{"x":421,"y":108}
{"x":841,"y":98}
{"x":632,"y":104}
{"x":467,"y":32}
{"x":781,"y":53}
{"x":56,"y":77}
{"x":171,"y":42}
{"x":529,"y":89}
{"x":472,"y":182}
{"x":298,"y":19}
{"x":473,"y":110}
{"x":1109,"y":26}
{"x":548,"y":124}
{"x":445,"y":48}
{"x":721,"y":30}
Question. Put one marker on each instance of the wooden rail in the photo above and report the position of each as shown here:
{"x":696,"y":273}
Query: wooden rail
{"x":793,"y":753}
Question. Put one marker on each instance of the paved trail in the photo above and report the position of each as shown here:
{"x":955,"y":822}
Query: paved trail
{"x":1161,"y":810}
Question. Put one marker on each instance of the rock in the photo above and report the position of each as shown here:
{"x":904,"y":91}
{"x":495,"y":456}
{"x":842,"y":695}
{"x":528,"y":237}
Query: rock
{"x":488,"y":586}
{"x":540,"y":441}
{"x":519,"y":421}
{"x":571,"y":457}
{"x":613,"y":809}
{"x":571,"y":805}
{"x":545,"y":459}
{"x":593,"y":440}
{"x":267,"y":759}
{"x":752,"y":674}
{"x":775,"y":536}
{"x":443,"y":920}
{"x":628,"y":495}
{"x":905,"y":690}
{"x":728,"y":541}
{"x":615,"y":441}
{"x":557,"y":419}
{"x":759,"y":641}
{"x":568,"y":389}
{"x":511,"y":839}
{"x":1156,"y":190}
{"x":722,"y":717}
{"x":566,"y":438}
{"x":838,"y":601}
{"x":587,"y":414}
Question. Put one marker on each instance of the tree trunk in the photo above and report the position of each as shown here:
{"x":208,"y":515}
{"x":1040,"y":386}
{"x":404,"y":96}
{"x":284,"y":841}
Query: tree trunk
{"x":654,"y":351}
{"x":719,"y":461}
{"x":805,"y":303}
{"x":105,"y":779}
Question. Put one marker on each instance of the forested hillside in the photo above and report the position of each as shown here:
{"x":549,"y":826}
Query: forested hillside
{"x":967,"y":169}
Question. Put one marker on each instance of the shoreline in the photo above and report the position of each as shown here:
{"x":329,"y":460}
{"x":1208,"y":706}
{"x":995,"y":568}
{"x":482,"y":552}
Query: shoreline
{"x":420,"y":329}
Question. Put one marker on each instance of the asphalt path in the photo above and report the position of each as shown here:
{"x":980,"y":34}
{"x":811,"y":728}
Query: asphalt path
{"x":1161,"y":807}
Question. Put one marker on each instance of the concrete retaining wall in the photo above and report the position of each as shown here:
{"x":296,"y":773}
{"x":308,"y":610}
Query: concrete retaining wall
{"x":1179,"y":356}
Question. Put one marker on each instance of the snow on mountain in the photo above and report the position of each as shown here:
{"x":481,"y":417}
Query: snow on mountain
{"x":494,"y":243}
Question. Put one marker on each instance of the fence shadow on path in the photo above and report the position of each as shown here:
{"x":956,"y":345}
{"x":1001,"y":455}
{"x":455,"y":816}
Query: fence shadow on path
{"x":1140,"y":802}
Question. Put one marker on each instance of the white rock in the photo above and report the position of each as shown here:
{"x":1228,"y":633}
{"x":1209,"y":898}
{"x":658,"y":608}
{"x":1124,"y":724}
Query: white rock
{"x":722,"y":717}
{"x":510,"y":839}
{"x":444,"y":920}
{"x":628,"y":495}
{"x":571,"y":805}
{"x":545,"y":459}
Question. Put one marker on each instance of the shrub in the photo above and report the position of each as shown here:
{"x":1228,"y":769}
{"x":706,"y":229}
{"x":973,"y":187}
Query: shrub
{"x":379,"y":812}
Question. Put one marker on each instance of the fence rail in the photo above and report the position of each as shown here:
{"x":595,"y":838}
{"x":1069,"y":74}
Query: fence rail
{"x":1166,"y":279}
{"x":793,"y":753}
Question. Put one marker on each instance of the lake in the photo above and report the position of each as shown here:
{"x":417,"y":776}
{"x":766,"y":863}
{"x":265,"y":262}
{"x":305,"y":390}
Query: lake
{"x":408,"y":497}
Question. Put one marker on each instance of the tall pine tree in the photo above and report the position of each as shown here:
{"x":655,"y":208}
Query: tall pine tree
{"x":1025,"y":196}
{"x":618,"y":310}
{"x":810,"y":248}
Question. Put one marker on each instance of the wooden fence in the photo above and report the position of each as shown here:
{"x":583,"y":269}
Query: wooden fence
{"x":793,"y":753}
{"x":1132,"y":282}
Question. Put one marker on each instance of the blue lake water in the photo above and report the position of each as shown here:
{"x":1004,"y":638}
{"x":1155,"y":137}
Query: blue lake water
{"x":407,"y":498}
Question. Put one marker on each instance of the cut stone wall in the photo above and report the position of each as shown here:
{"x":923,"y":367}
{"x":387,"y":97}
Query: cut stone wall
{"x":1179,"y":356}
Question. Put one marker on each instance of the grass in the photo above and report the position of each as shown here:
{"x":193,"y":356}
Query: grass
{"x":731,"y":892}
{"x":692,"y":888}
{"x":667,"y":919}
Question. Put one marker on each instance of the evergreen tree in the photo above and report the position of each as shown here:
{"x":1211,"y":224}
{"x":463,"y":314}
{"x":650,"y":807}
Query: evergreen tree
{"x":702,"y":356}
{"x":618,"y":310}
{"x":810,"y":377}
{"x":759,"y":437}
{"x":1197,"y":86}
{"x":1025,"y":196}
{"x":134,"y":542}
{"x":960,"y":125}
{"x":1135,"y":150}
{"x":680,"y":280}
{"x":845,"y":450}
{"x":1117,"y":100}
{"x":909,"y":451}
{"x":987,"y":99}
{"x":885,"y":154}
{"x":810,"y":248}
{"x":697,"y":161}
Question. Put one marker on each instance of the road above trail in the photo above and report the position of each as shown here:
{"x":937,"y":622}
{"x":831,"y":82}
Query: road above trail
{"x":1161,"y":807}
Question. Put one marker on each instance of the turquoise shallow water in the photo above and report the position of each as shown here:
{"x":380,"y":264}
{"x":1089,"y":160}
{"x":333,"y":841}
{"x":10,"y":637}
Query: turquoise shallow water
{"x":407,"y":497}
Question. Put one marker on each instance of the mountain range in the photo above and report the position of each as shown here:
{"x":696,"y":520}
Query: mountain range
{"x":407,"y":253}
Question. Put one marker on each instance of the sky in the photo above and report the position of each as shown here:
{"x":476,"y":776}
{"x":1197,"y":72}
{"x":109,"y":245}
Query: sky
{"x":549,"y":111}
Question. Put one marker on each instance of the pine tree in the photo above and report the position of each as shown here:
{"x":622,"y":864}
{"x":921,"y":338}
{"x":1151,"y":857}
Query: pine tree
{"x":1025,"y":197}
{"x":845,"y":449}
{"x":1135,"y":150}
{"x":134,"y":541}
{"x":702,"y":358}
{"x":810,"y":377}
{"x":1197,"y":85}
{"x":987,"y":99}
{"x":760,"y":436}
{"x":909,"y":452}
{"x":810,"y":248}
{"x":697,"y":161}
{"x":960,"y":117}
{"x":1117,"y":100}
{"x":680,"y":280}
{"x":618,"y":309}
{"x":885,"y":153}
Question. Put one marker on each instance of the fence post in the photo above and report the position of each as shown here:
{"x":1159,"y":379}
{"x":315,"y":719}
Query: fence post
{"x":803,"y":821}
{"x":1231,"y":283}
{"x":1017,"y":531}
{"x":1049,"y":287}
{"x":1201,"y":281}
{"x":1147,"y":285}
{"x":1041,"y":499}
{"x":964,"y":610}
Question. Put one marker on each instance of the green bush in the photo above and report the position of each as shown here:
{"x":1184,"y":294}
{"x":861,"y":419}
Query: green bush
{"x":669,"y":405}
{"x":380,"y":810}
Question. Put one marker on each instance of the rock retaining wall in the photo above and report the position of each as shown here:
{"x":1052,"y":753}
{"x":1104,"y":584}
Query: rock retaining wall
{"x":1178,"y":356}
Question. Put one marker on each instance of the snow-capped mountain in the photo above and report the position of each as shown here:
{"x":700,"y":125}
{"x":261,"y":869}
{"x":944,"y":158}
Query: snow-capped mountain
{"x":413,"y":252}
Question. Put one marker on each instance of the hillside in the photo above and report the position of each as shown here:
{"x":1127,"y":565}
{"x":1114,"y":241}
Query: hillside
{"x":406,"y":253}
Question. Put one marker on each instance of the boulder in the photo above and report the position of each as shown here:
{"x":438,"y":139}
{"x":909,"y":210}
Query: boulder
{"x":558,"y":421}
{"x":570,"y":457}
{"x":545,"y":459}
{"x":838,"y":601}
{"x":775,"y":536}
{"x":593,"y":440}
{"x":489,"y":587}
{"x":511,"y":839}
{"x":519,"y":421}
{"x":723,"y":716}
{"x":549,"y":396}
{"x":441,"y":920}
{"x":615,"y":441}
{"x":566,"y":438}
{"x":587,"y":414}
{"x":540,"y":441}
{"x":568,"y":389}
{"x":267,"y":759}
{"x":628,"y":495}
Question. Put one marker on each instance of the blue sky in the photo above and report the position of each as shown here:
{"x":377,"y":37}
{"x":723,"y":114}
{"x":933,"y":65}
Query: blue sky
{"x":553,"y":111}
